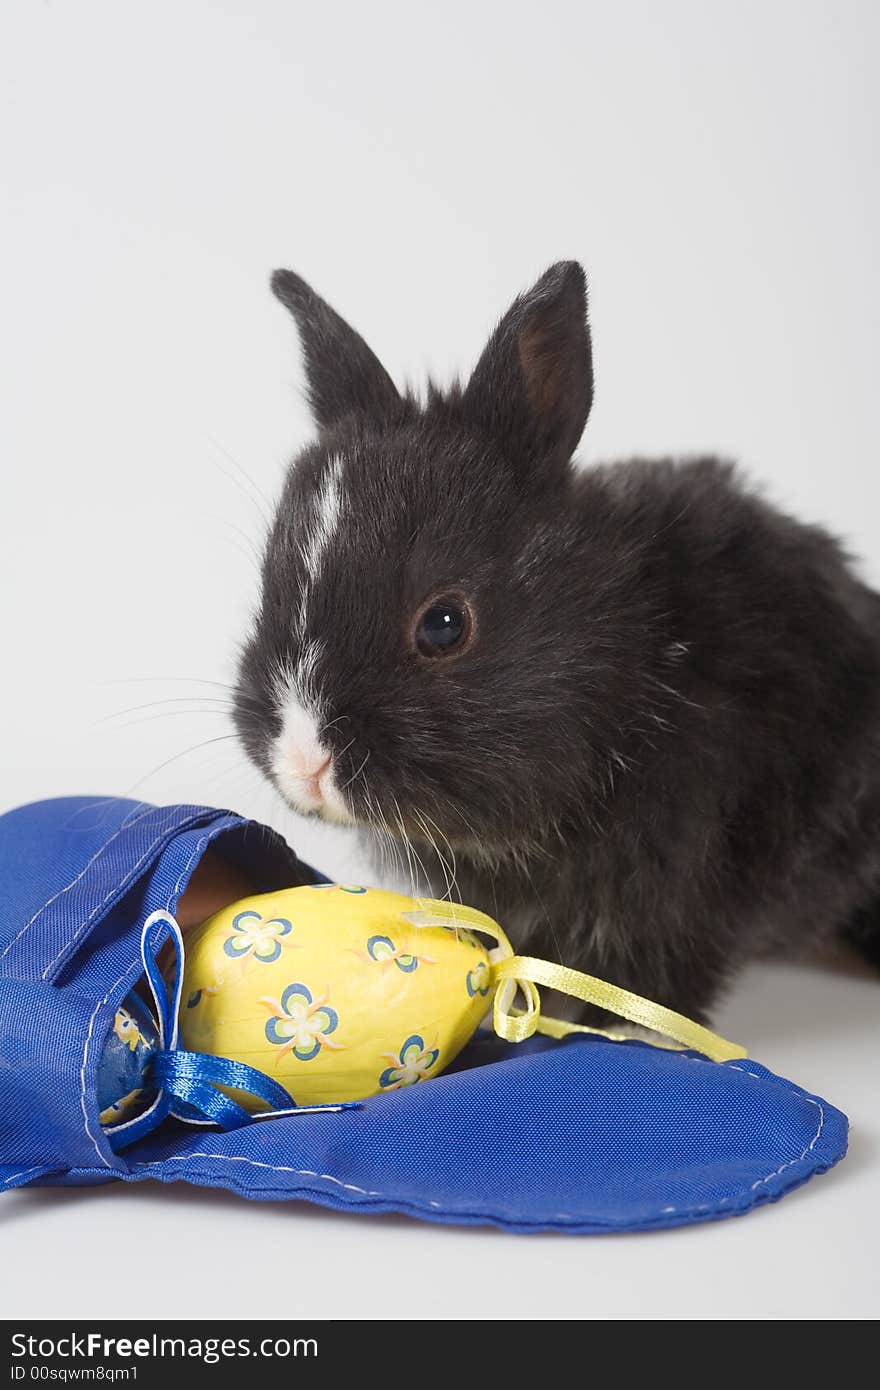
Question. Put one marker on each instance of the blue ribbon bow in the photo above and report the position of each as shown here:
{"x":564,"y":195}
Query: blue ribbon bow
{"x":186,"y":1083}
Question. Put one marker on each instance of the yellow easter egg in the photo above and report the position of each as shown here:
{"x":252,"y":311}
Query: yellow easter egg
{"x":335,"y":991}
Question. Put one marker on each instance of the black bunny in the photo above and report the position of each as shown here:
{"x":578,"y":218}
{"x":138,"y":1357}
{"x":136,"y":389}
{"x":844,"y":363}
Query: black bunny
{"x":636,"y":708}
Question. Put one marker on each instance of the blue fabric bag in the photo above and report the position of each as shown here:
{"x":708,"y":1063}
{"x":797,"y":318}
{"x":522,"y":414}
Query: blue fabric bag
{"x":582,"y":1135}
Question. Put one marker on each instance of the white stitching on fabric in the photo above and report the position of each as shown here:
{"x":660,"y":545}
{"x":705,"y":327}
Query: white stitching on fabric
{"x":366,"y":1192}
{"x":254,"y":1163}
{"x":7,"y":1182}
{"x":117,"y":888}
{"x":82,"y":1073}
{"x":201,"y":843}
{"x":126,"y":824}
{"x":707,"y":1206}
{"x":800,"y":1158}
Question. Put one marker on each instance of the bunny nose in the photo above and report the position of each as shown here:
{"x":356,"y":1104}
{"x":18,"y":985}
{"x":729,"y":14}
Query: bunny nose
{"x":309,"y":768}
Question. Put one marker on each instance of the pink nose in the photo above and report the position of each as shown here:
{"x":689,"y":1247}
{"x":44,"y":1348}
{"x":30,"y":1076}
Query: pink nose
{"x":309,"y":769}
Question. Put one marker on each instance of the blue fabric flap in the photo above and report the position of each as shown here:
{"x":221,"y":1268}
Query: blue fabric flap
{"x":63,"y":866}
{"x":582,"y":1136}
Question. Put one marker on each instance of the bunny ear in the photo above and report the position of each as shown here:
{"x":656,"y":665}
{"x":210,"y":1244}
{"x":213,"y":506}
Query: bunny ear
{"x":533,"y":386}
{"x":344,"y":376}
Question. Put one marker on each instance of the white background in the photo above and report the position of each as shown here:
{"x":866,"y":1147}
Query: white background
{"x":714,"y":167}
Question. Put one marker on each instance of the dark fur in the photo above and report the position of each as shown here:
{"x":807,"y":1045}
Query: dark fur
{"x":661,"y":754}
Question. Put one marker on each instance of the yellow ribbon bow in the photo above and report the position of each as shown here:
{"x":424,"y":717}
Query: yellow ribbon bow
{"x":515,"y":975}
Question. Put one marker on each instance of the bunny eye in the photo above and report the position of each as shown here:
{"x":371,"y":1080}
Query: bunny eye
{"x":444,"y":628}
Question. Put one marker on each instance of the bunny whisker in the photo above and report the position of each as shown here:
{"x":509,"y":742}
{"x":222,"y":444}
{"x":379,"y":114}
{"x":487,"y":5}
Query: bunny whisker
{"x":440,"y":858}
{"x":184,"y":753}
{"x":357,"y":774}
{"x":445,"y":839}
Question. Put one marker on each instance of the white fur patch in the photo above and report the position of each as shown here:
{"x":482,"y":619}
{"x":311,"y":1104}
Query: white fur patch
{"x":299,"y":755}
{"x":320,"y":531}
